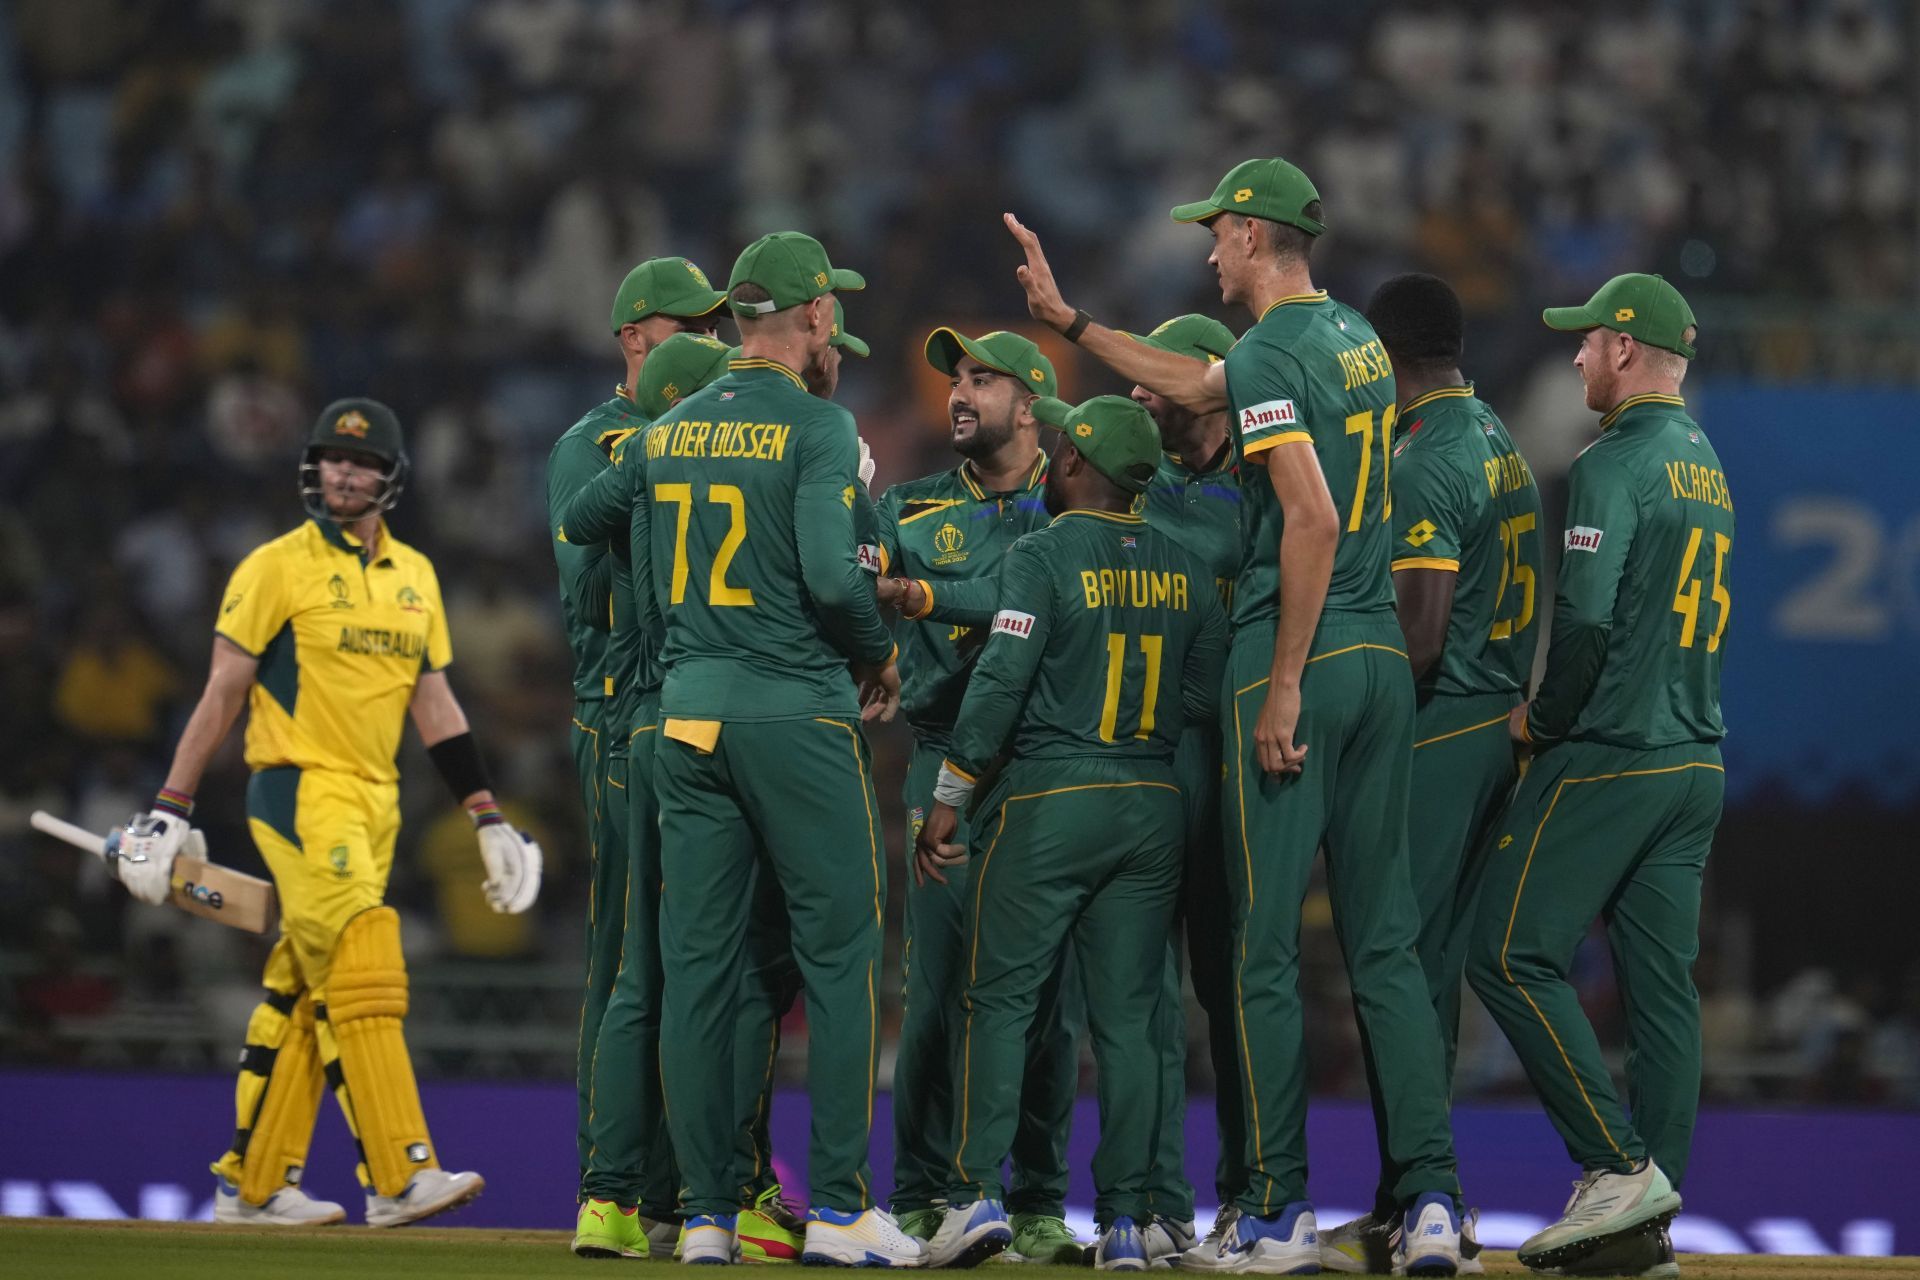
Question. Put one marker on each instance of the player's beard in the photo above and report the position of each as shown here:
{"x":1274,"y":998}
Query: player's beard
{"x":1599,"y":388}
{"x":1054,"y":495}
{"x":988,"y":438}
{"x":1176,"y":425}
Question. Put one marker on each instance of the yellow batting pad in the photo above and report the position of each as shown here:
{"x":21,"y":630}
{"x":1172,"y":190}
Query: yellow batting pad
{"x":366,"y":998}
{"x":277,"y":1097}
{"x":283,"y":1124}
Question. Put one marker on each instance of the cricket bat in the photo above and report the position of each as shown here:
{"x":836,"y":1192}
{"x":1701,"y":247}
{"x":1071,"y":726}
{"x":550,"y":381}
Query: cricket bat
{"x":200,"y":887}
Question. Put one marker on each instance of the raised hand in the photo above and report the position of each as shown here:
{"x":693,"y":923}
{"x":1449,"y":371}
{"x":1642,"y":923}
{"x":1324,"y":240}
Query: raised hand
{"x":1044,"y":302}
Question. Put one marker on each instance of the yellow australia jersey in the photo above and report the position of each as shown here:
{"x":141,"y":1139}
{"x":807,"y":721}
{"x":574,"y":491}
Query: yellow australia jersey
{"x":341,"y":643}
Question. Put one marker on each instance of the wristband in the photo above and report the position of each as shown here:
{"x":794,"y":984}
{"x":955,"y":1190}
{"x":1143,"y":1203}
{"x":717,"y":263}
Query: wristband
{"x":1079,"y":326}
{"x":178,"y":803}
{"x":926,"y":601}
{"x":458,"y":760}
{"x":951,"y":787}
{"x":485,"y":814}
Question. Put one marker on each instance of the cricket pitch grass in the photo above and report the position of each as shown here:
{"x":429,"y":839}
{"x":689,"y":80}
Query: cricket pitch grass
{"x":64,"y":1249}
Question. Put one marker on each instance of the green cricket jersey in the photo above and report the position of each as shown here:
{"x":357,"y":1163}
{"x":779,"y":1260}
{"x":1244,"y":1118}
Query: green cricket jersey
{"x":606,"y":511}
{"x":951,"y":534}
{"x":1464,"y":500}
{"x":750,"y":486}
{"x":1312,"y":370}
{"x":586,"y":572}
{"x":1199,"y":507}
{"x":1640,"y":610}
{"x":1107,"y":640}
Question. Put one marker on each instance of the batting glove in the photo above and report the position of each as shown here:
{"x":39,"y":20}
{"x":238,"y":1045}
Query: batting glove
{"x":512,"y":859}
{"x":144,"y":860}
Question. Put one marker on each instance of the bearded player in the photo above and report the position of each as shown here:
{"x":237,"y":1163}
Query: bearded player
{"x":946,"y":536}
{"x":330,"y":635}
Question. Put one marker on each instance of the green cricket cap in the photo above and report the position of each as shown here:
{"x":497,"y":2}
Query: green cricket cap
{"x":1112,"y":432}
{"x":359,"y":424}
{"x":841,"y":338}
{"x":792,"y":267}
{"x":676,"y":369}
{"x":1645,"y":308}
{"x":1198,"y":336}
{"x":1001,"y":351}
{"x":664,"y":286}
{"x":1271,"y":188}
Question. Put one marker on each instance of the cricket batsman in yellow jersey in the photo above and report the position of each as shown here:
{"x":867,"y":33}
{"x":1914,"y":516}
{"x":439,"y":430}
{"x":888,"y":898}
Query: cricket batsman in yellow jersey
{"x":330,"y":635}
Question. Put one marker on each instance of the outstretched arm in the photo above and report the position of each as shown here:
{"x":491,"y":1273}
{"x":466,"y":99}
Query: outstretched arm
{"x":1199,"y":385}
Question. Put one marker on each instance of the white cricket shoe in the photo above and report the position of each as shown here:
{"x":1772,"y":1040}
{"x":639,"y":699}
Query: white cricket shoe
{"x":1470,"y":1264}
{"x":970,"y":1234}
{"x":709,"y":1240}
{"x":1288,"y":1243}
{"x":1429,"y":1243}
{"x":428,"y":1191}
{"x":1205,"y":1254}
{"x":1604,"y":1203}
{"x":1165,"y":1240}
{"x":287,"y":1207}
{"x":1362,"y":1247}
{"x":870,"y":1238}
{"x":1120,"y":1247}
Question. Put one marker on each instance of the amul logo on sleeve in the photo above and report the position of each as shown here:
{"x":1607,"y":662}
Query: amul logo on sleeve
{"x":1584,"y":538}
{"x":1267,"y":414}
{"x":1014,"y":623}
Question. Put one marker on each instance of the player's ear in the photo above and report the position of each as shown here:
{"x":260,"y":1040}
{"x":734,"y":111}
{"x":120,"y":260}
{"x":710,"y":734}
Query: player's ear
{"x":1024,"y":416}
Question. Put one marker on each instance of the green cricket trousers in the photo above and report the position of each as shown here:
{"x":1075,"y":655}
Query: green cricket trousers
{"x":1619,"y":834}
{"x":924,"y":1122}
{"x":1356,"y":720}
{"x":598,"y":755}
{"x":1463,"y":775}
{"x":1081,"y":852}
{"x":800,"y":793}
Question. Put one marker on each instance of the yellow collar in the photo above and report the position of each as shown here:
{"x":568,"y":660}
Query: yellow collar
{"x":1318,"y":295}
{"x":1440,"y":393}
{"x":1632,"y":402}
{"x":761,"y":362}
{"x":1034,"y":476}
{"x":1114,"y":516}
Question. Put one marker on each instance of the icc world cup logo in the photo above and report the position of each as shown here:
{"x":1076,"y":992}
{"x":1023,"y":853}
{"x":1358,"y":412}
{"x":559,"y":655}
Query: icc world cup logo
{"x":947,"y":539}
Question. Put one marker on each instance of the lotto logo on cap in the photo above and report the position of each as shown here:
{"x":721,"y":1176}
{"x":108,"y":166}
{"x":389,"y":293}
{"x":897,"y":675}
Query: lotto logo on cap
{"x":1014,"y":623}
{"x":1584,"y":538}
{"x":1268,"y":413}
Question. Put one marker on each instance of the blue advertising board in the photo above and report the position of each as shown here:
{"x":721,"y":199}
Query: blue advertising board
{"x":96,"y":1145}
{"x":1821,"y":689}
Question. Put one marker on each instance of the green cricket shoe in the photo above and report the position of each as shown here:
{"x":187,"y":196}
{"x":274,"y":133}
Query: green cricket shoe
{"x":605,"y":1230}
{"x":1040,"y":1237}
{"x":923,"y":1224}
{"x":770,"y":1231}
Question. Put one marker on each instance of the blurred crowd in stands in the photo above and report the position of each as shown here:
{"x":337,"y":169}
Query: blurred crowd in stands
{"x":216,"y":215}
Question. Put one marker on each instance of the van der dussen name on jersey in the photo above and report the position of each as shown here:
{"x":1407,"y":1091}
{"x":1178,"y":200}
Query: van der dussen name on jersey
{"x":760,"y":441}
